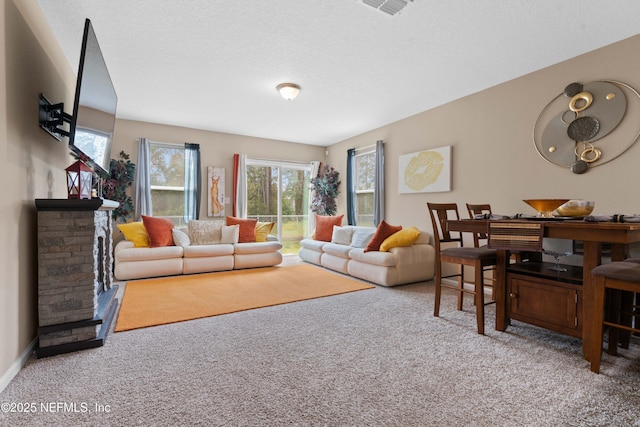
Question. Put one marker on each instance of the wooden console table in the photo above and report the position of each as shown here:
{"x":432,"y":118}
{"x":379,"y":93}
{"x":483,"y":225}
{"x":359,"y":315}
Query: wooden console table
{"x":593,"y":234}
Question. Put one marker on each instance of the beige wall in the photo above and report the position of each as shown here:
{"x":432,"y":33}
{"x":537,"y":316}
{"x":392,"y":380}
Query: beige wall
{"x":494,"y":158}
{"x":493,"y":155}
{"x":32,"y":165}
{"x":216,"y":149}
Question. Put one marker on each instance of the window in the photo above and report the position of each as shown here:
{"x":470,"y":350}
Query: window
{"x":364,"y":175}
{"x":167,"y":181}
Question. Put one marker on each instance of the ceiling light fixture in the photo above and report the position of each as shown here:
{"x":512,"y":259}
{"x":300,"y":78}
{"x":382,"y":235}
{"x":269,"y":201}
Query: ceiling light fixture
{"x":288,"y":90}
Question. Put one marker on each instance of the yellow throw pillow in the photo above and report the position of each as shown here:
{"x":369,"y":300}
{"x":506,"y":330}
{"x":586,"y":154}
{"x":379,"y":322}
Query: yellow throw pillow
{"x":262,"y":230}
{"x":136,"y":233}
{"x":405,"y":237}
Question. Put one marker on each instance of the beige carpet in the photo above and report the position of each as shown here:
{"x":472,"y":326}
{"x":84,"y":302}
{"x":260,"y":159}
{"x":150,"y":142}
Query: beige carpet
{"x":174,"y":299}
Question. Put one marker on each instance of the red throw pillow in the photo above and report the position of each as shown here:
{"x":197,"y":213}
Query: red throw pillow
{"x":324,"y":227}
{"x":247,"y":228}
{"x":383,"y":231}
{"x":159,"y":231}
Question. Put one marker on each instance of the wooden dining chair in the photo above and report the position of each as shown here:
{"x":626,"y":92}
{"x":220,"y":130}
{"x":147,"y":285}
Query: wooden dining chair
{"x":617,"y":276}
{"x":461,"y":256}
{"x":479,"y":239}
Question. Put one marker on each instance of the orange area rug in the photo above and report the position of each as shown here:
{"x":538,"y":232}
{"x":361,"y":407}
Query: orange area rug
{"x":166,"y":300}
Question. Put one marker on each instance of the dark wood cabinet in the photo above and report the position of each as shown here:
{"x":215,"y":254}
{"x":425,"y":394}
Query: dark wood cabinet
{"x":546,"y":298}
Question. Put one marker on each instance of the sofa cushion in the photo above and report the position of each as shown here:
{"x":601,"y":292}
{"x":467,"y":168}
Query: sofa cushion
{"x":230,"y":234}
{"x":136,"y":233}
{"x":385,"y":259}
{"x":180,"y":238}
{"x":124,"y":254}
{"x":256,"y":247}
{"x":200,"y":251}
{"x":324,"y":226}
{"x":247,"y":228}
{"x":342,"y":234}
{"x":337,"y":250}
{"x":402,"y":238}
{"x":262,"y":230}
{"x":205,"y":232}
{"x":362,"y":236}
{"x":159,"y":231}
{"x":383,"y":231}
{"x":314,"y":245}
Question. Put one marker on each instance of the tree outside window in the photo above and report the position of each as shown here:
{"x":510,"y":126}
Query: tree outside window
{"x":167,"y":181}
{"x":365,"y":174}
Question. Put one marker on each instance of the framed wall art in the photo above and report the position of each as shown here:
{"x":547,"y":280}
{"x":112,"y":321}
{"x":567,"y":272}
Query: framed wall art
{"x":427,"y":171}
{"x":215,"y":179}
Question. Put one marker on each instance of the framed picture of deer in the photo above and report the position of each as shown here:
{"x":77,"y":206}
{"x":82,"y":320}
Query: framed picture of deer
{"x":215,"y":180}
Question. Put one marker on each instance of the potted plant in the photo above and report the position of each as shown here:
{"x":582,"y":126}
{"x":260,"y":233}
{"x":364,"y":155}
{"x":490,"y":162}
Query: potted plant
{"x":325,"y":191}
{"x":121,"y":174}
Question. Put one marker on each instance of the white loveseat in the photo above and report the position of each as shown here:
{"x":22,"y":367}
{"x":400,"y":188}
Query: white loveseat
{"x":346,"y":254}
{"x":189,"y":255}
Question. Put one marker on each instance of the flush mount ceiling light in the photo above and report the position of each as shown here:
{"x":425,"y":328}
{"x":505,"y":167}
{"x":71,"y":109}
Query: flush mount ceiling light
{"x":390,"y":7}
{"x":288,"y":90}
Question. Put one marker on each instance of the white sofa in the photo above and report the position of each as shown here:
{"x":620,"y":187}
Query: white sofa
{"x":143,"y":262}
{"x":397,"y":266}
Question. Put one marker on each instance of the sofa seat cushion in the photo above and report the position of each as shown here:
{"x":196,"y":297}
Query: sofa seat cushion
{"x":125,"y":252}
{"x":314,"y":245}
{"x":257,"y":247}
{"x":201,"y":251}
{"x":385,"y":259}
{"x":338,"y":250}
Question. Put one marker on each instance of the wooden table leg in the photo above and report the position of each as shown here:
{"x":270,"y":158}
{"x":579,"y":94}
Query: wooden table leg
{"x":502,"y":319}
{"x":591,"y":259}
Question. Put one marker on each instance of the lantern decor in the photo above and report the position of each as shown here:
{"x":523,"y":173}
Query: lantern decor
{"x":79,"y":180}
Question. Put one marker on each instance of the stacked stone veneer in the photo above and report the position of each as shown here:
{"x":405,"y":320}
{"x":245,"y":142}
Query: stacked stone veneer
{"x":72,"y":271}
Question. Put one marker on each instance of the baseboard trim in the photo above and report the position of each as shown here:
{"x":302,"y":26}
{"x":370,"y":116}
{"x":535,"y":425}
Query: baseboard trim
{"x":17,"y":365}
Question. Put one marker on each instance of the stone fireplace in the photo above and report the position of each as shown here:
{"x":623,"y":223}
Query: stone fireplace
{"x":76,"y":296}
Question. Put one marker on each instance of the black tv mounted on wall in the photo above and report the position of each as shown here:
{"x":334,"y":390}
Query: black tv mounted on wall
{"x":94,"y":111}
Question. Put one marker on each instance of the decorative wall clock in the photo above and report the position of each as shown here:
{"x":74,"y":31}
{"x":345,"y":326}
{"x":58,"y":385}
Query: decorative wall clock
{"x":583,"y":126}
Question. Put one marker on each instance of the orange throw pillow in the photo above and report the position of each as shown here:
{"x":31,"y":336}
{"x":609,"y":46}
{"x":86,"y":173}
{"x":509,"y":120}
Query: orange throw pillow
{"x":324,"y":226}
{"x":247,"y":228}
{"x":383,"y":231}
{"x":159,"y":231}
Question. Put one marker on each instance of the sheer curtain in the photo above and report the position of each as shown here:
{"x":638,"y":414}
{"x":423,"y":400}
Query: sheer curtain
{"x":240,"y":185}
{"x":315,"y":168}
{"x":142,"y":184}
{"x":192,"y":182}
{"x":378,"y":194}
{"x":351,"y":187}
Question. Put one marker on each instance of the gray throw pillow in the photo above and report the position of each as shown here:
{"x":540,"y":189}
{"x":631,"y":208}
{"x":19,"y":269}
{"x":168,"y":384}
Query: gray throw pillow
{"x":362,"y":236}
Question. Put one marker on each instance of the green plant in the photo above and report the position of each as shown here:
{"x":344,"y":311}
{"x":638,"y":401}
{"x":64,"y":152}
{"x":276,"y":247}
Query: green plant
{"x":121,"y":174}
{"x":325,"y":191}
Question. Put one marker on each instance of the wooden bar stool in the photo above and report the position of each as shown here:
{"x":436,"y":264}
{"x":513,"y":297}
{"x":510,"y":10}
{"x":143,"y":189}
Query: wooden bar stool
{"x":620,"y":276}
{"x":478,"y":258}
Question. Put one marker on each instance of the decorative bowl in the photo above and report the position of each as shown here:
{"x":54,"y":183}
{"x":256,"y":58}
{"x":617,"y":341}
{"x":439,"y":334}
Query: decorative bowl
{"x":576,"y":208}
{"x":545,"y":207}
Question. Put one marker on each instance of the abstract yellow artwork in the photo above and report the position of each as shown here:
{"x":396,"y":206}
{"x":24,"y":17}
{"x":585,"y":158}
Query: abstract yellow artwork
{"x":427,"y":171}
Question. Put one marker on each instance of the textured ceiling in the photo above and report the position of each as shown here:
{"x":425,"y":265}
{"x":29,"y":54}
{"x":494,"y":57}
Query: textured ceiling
{"x":214,"y":65}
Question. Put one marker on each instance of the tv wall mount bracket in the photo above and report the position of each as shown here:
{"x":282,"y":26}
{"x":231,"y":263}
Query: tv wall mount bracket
{"x":52,"y":117}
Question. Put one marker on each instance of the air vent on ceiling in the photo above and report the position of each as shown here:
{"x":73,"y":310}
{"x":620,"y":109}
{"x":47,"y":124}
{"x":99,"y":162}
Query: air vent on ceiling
{"x":390,"y":7}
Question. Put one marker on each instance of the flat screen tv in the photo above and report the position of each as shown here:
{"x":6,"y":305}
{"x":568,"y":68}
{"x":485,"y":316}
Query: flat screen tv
{"x":94,"y":109}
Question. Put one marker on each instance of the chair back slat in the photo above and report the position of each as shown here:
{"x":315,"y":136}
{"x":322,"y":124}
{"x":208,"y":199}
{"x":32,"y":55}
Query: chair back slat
{"x":478,"y":209}
{"x":516,"y":235}
{"x":440,"y":213}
